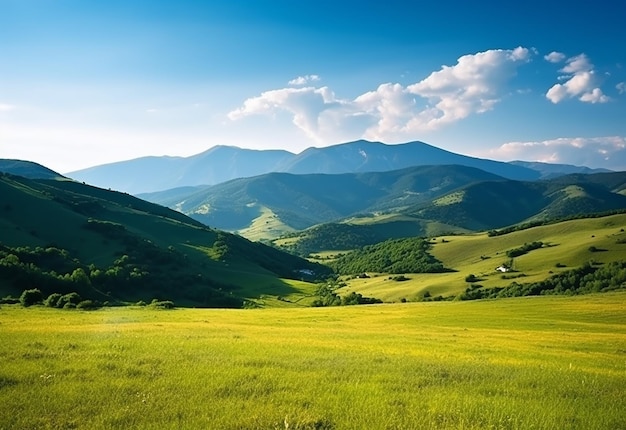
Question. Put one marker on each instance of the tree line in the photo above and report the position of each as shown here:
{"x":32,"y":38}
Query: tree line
{"x":589,"y":278}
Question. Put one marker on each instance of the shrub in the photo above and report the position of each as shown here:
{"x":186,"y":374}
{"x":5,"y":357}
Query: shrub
{"x":164,"y":304}
{"x":31,"y":297}
{"x":524,"y":249}
{"x":53,"y":300}
{"x":8,"y":300}
{"x":471,"y":278}
{"x":69,"y":299}
{"x":87,"y":305}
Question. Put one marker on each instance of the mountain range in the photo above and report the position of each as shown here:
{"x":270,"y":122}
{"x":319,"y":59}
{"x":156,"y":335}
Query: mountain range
{"x":63,"y":235}
{"x":223,"y":163}
{"x":407,"y":201}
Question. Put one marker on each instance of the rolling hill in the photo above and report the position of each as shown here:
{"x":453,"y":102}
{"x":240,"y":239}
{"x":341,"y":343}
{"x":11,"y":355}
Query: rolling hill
{"x":27,"y":169}
{"x":301,"y":201}
{"x":63,"y":236}
{"x":375,"y":206}
{"x":565,"y":246}
{"x":496,"y":204}
{"x":223,"y":163}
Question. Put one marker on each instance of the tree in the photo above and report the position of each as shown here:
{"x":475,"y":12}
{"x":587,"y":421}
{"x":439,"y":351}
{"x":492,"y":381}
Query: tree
{"x":471,"y":278}
{"x":53,"y":300}
{"x":31,"y":297}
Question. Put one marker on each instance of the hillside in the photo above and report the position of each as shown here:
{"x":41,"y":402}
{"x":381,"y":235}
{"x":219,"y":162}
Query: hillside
{"x":223,"y":163}
{"x":496,"y":204}
{"x":564,"y":246}
{"x":301,"y":201}
{"x":366,"y":208}
{"x":63,"y":236}
{"x":27,"y":169}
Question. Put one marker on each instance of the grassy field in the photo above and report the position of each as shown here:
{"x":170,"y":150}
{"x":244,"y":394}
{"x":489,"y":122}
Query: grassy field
{"x":526,"y":363}
{"x":266,"y":226}
{"x":566,"y":244}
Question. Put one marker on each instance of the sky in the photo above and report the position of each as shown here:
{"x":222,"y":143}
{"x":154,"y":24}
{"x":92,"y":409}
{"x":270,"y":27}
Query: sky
{"x":85,"y":83}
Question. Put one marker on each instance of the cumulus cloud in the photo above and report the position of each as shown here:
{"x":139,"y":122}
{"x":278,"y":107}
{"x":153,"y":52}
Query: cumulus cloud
{"x":303,"y":80}
{"x":392,"y":111}
{"x":473,"y":85}
{"x":554,"y":57}
{"x":608,"y":151}
{"x":621,"y":87}
{"x":316,"y":111}
{"x":580,"y":81}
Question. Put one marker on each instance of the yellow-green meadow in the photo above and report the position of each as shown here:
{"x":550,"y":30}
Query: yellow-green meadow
{"x":524,"y":363}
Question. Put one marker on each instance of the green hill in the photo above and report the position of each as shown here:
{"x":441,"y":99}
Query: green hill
{"x":496,"y":204}
{"x":63,"y":236}
{"x":564,"y":246}
{"x":28,"y":169}
{"x":361,"y":231}
{"x":394,"y":204}
{"x":302,"y":201}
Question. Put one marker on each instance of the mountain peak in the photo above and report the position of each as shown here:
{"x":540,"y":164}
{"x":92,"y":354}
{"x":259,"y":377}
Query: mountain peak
{"x":222,"y":163}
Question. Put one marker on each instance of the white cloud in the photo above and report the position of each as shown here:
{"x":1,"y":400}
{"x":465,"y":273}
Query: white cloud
{"x":306,"y":104}
{"x":391,"y":111}
{"x":554,"y":57}
{"x":580,"y":81}
{"x":608,"y":151}
{"x":471,"y":86}
{"x":4,"y":107}
{"x":621,"y":87}
{"x":302,"y":80}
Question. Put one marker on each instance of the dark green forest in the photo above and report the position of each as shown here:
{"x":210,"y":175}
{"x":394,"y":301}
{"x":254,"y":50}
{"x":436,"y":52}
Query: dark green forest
{"x":409,"y":255}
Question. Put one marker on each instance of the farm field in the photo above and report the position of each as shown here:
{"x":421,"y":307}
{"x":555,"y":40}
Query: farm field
{"x":534,"y":362}
{"x":566,"y":245}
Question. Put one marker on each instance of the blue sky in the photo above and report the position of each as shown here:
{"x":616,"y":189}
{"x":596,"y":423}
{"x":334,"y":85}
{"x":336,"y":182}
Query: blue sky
{"x":84,"y":83}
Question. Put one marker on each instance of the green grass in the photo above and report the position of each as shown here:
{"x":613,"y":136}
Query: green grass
{"x":450,"y":199}
{"x":478,"y":254}
{"x":541,"y":363}
{"x":266,"y":226}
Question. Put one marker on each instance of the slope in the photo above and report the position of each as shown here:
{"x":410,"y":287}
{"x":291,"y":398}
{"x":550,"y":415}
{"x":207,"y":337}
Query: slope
{"x":566,"y":245}
{"x":495,"y":204}
{"x":129,"y":249}
{"x":301,"y":201}
{"x":27,"y":169}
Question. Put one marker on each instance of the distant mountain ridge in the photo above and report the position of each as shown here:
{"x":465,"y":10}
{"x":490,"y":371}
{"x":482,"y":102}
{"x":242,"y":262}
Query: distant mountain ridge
{"x":550,"y":170}
{"x":224,"y":163}
{"x":147,"y":174}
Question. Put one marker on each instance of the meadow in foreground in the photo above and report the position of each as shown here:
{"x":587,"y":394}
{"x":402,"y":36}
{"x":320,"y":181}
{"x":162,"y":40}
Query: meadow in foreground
{"x":526,"y":363}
